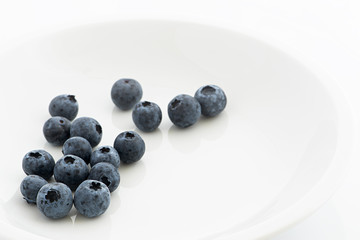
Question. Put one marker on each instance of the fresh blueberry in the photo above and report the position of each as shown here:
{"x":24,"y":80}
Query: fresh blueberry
{"x":64,"y":106}
{"x":130,"y":146}
{"x":147,"y":116}
{"x":125,"y":93}
{"x":212,"y":100}
{"x":184,"y":110}
{"x":78,"y":146}
{"x":105,"y":154}
{"x":71,"y":170}
{"x":92,"y":198}
{"x":30,"y":187}
{"x":87,"y":128}
{"x":38,"y":162}
{"x":54,"y":200}
{"x":107,"y":174}
{"x":57,"y":130}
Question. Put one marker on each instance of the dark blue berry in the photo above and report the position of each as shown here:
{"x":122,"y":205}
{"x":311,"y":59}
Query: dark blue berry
{"x":147,"y":116}
{"x":54,"y":200}
{"x":64,"y":106}
{"x":184,"y":110}
{"x":87,"y":128}
{"x":57,"y":130}
{"x":125,"y":93}
{"x":130,"y":146}
{"x":38,"y":162}
{"x":30,"y":187}
{"x":107,"y":174}
{"x":92,"y":198}
{"x":212,"y":100}
{"x":71,"y":170}
{"x":78,"y":146}
{"x":105,"y":154}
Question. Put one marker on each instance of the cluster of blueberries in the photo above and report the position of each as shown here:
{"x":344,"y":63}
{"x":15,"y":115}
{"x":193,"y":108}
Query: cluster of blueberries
{"x":92,"y":185}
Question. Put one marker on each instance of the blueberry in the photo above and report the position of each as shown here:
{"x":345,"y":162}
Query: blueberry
{"x":78,"y":146}
{"x":38,"y":162}
{"x":30,"y":187}
{"x":130,"y":146}
{"x":212,"y":100}
{"x":184,"y":110}
{"x":64,"y":106}
{"x":125,"y":93}
{"x":87,"y":128}
{"x":92,"y":198}
{"x":147,"y":116}
{"x":71,"y":170}
{"x":57,"y":130}
{"x":54,"y":200}
{"x":107,"y":174}
{"x":105,"y":154}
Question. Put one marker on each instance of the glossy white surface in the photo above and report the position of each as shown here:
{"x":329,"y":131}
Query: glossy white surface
{"x":270,"y":159}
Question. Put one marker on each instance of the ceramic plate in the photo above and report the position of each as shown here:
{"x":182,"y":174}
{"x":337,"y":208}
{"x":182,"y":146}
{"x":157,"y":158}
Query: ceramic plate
{"x":271,"y":158}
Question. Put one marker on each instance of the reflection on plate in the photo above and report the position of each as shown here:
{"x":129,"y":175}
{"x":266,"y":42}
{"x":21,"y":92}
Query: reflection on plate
{"x":271,"y":158}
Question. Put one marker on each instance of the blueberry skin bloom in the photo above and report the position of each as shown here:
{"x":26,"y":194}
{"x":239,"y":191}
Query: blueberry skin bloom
{"x":184,"y":110}
{"x":212,"y":100}
{"x":107,"y":174}
{"x":71,"y":170}
{"x":38,"y":162}
{"x":78,"y":146}
{"x":130,"y":146}
{"x":147,"y":116}
{"x":105,"y":154}
{"x":30,"y":187}
{"x":92,"y":198}
{"x":88,"y":128}
{"x":125,"y":93}
{"x":54,"y":200}
{"x":56,"y":130}
{"x":64,"y":106}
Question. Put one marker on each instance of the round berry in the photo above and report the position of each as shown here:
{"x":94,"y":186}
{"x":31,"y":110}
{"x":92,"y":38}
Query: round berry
{"x":78,"y":146}
{"x":88,"y":128}
{"x":54,"y":200}
{"x":92,"y":198}
{"x":56,"y":130}
{"x":64,"y":106}
{"x":105,"y":154}
{"x":107,"y":174}
{"x":212,"y":100}
{"x":147,"y":116}
{"x":71,"y":170}
{"x":130,"y":146}
{"x":125,"y":93}
{"x":184,"y":110}
{"x":30,"y":187}
{"x":38,"y":162}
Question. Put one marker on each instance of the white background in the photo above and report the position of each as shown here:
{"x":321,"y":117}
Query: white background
{"x":327,"y":32}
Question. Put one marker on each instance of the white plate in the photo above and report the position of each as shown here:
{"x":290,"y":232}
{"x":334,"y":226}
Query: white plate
{"x":270,"y":159}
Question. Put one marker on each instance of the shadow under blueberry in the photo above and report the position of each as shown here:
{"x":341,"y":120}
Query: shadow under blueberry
{"x":115,"y":202}
{"x":55,"y":151}
{"x":100,"y":225}
{"x":214,"y":127}
{"x":122,"y":119}
{"x":29,"y":218}
{"x":133,"y":174}
{"x":188,"y":140}
{"x":153,"y":140}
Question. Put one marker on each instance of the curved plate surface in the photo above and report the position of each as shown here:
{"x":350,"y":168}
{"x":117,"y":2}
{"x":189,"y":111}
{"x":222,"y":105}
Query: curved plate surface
{"x":268,"y":160}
